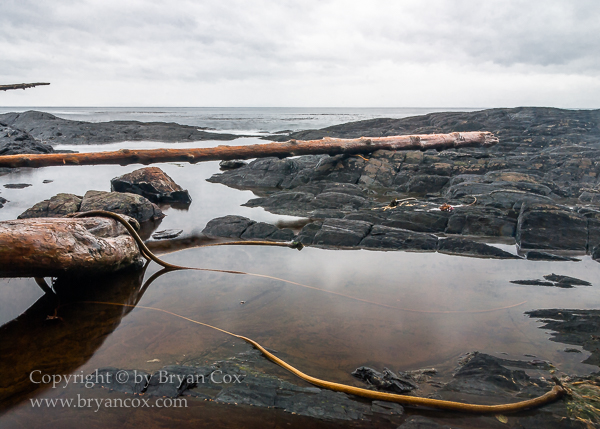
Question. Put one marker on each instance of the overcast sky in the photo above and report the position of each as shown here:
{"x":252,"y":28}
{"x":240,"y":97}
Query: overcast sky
{"x":346,"y":53}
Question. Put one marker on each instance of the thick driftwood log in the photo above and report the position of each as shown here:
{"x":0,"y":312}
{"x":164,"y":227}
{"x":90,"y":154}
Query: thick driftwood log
{"x":21,"y":85}
{"x":50,"y":247}
{"x":290,"y":148}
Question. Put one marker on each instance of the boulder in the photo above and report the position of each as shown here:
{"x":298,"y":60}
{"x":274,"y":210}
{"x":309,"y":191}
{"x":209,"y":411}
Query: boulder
{"x":132,"y":205}
{"x":547,"y":226}
{"x":57,"y":206}
{"x":152,"y":183}
{"x":228,"y":226}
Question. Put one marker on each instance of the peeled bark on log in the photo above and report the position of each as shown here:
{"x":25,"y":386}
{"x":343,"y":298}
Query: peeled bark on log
{"x":51,"y":247}
{"x":329,"y":146}
{"x":21,"y":85}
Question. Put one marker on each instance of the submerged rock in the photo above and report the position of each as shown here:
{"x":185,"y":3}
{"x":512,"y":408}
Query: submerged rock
{"x":573,"y":327}
{"x":462,"y":246}
{"x":387,"y":380}
{"x":152,"y":183}
{"x":57,"y":206}
{"x":128,"y":204}
{"x":17,"y":185}
{"x":167,"y":233}
{"x":566,"y":280}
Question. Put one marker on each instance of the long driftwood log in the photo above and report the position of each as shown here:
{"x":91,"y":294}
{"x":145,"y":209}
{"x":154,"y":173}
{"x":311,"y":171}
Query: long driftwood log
{"x":329,"y":146}
{"x":22,"y":85}
{"x":50,"y":247}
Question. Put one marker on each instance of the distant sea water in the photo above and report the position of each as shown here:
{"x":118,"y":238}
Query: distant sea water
{"x":238,"y":120}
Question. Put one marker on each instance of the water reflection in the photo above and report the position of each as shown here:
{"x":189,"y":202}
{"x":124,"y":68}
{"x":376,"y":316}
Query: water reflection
{"x":57,"y":334}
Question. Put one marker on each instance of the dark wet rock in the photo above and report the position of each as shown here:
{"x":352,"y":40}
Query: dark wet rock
{"x":387,"y":408}
{"x":57,"y":206}
{"x":420,"y":221}
{"x":388,"y":238}
{"x":133,"y":205}
{"x":56,"y":130}
{"x":596,"y":254}
{"x":554,"y":280}
{"x":463,"y":246}
{"x":173,"y":380}
{"x":482,"y":374}
{"x":45,"y":181}
{"x":262,"y":230}
{"x":325,"y":405}
{"x":421,"y":422}
{"x":590,"y":197}
{"x":571,"y":350}
{"x":573,"y":327}
{"x":152,"y":183}
{"x":248,"y":396}
{"x":425,"y":184}
{"x":167,"y":233}
{"x":232,"y":164}
{"x":2,"y":202}
{"x":545,"y":226}
{"x":386,"y":380}
{"x":566,"y":280}
{"x":5,"y":170}
{"x":543,"y":256}
{"x":532,"y":282}
{"x":341,"y":232}
{"x":306,"y":236}
{"x":15,"y":141}
{"x":17,"y":185}
{"x":484,"y":221}
{"x":228,"y":226}
{"x":126,"y":381}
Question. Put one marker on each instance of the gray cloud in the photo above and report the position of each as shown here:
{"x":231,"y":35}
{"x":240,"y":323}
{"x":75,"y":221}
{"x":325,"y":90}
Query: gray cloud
{"x":251,"y":49}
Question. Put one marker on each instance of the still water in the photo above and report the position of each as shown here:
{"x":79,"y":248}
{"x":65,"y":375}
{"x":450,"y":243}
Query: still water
{"x":438,"y":313}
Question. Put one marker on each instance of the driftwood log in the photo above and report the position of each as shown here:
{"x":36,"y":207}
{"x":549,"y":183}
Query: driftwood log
{"x":329,"y":146}
{"x":21,"y":86}
{"x":51,"y":247}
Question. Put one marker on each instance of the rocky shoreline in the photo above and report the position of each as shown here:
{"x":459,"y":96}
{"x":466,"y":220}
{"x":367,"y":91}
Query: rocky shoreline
{"x":538,"y":189}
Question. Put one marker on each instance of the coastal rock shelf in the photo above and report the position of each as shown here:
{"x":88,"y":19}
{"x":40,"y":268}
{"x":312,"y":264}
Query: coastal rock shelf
{"x":538,"y":186}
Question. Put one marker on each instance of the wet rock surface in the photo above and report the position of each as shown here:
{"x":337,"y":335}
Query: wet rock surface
{"x":554,"y":280}
{"x":55,"y":130}
{"x":573,"y":327}
{"x":479,"y":378}
{"x":538,"y":186}
{"x":15,"y":141}
{"x":241,"y":227}
{"x":132,"y":205}
{"x":57,"y":206}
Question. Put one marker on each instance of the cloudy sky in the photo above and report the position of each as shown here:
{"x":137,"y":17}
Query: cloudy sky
{"x":340,"y":53}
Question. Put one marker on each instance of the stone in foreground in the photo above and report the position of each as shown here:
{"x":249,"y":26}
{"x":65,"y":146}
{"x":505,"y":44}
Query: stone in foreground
{"x":152,"y":183}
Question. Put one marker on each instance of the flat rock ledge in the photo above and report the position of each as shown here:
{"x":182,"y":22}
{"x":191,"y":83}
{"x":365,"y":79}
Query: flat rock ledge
{"x":353,"y":234}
